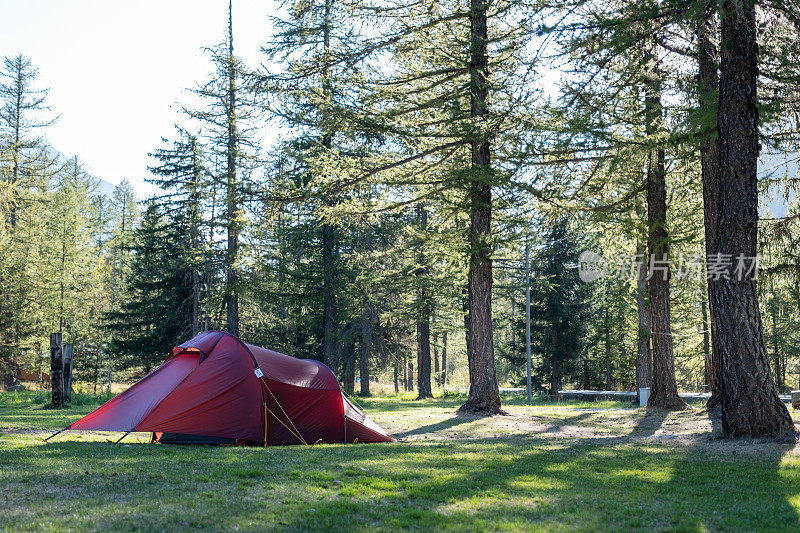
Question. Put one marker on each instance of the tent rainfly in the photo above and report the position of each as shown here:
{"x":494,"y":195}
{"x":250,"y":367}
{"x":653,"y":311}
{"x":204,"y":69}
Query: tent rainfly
{"x":215,"y":389}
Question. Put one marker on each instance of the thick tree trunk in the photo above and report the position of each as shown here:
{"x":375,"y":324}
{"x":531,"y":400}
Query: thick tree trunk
{"x":644,"y":356}
{"x":664,"y":390}
{"x":750,"y":405}
{"x":708,"y":81}
{"x":484,"y":394}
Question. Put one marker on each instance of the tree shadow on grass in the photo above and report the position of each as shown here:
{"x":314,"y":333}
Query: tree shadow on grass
{"x":602,"y":483}
{"x":651,"y":422}
{"x":448,"y":423}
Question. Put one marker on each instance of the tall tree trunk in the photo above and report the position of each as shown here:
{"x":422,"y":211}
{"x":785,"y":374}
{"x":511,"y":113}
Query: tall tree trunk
{"x":366,"y":345}
{"x":349,"y":366}
{"x":708,"y":81}
{"x":423,"y":315}
{"x":436,"y":375}
{"x":775,"y":352}
{"x":232,"y":193}
{"x":708,"y":374}
{"x":664,"y":392}
{"x":484,"y":394}
{"x":557,"y":367}
{"x":329,"y":313}
{"x":644,"y":356}
{"x":750,"y":404}
{"x":444,"y":358}
{"x":194,"y":236}
{"x":396,"y":376}
{"x":329,"y":318}
{"x":423,"y":359}
{"x":410,"y":375}
{"x":585,"y":380}
{"x":607,"y":337}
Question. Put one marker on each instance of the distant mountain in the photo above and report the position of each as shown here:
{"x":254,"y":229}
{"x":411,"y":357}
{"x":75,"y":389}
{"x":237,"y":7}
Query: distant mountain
{"x":104,"y":187}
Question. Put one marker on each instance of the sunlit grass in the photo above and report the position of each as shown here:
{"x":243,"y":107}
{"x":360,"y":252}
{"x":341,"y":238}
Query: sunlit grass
{"x":516,"y":482}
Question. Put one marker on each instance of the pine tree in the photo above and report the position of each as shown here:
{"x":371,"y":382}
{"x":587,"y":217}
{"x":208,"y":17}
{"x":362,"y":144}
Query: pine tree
{"x":157,"y":314}
{"x":183,"y":177}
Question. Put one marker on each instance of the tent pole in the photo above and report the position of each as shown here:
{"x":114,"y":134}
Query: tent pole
{"x":265,"y":424}
{"x":56,"y":433}
{"x":344,"y":416}
{"x":122,"y":437}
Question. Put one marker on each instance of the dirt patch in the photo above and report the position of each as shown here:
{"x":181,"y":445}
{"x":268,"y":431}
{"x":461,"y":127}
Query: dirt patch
{"x":694,"y":428}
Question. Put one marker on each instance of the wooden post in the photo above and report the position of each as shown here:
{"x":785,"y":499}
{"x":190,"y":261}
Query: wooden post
{"x":56,"y":370}
{"x":67,"y":354}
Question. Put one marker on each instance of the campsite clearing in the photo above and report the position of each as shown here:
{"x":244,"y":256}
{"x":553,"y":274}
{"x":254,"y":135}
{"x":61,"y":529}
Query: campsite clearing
{"x":575,"y":465}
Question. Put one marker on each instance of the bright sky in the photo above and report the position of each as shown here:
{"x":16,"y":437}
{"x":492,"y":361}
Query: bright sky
{"x":116,"y":70}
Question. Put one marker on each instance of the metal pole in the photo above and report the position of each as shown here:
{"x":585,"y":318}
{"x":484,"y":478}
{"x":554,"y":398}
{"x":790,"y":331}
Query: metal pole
{"x":528,"y":317}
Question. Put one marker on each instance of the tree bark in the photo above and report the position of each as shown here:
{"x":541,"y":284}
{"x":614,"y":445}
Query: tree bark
{"x":664,"y":390}
{"x":484,"y":394}
{"x":644,"y":356}
{"x":708,"y":81}
{"x":750,"y":404}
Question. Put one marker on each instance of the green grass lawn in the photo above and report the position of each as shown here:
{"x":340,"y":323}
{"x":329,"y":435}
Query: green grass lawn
{"x":571,"y":466}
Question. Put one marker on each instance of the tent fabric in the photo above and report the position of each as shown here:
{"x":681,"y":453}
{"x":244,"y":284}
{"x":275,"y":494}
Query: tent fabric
{"x":217,"y":387}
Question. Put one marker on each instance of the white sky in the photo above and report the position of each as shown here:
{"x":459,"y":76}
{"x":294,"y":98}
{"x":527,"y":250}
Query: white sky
{"x":116,"y":70}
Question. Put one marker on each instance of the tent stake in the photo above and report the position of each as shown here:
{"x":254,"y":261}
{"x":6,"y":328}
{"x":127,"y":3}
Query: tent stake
{"x":56,"y":433}
{"x":122,"y":437}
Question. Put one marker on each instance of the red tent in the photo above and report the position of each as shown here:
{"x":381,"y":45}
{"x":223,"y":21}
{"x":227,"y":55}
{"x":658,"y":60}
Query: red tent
{"x":217,"y":389}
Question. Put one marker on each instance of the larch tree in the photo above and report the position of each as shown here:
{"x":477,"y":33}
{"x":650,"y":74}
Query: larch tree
{"x":750,"y":404}
{"x":227,"y":120}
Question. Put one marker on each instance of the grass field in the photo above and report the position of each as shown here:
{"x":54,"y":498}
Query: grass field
{"x":571,"y":466}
